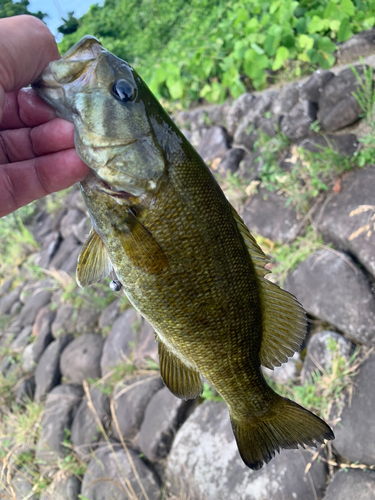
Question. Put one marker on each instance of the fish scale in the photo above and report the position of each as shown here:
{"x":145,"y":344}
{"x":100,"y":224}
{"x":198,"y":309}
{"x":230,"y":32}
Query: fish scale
{"x":183,"y":255}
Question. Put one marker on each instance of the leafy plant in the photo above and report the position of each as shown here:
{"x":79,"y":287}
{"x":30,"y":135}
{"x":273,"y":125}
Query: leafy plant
{"x":209,"y":393}
{"x":209,"y":48}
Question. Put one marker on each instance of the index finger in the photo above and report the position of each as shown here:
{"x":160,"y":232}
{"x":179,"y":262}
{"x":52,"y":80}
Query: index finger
{"x":26,"y":48}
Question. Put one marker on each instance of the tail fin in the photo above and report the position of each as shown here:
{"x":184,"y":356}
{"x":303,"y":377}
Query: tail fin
{"x":286,"y":426}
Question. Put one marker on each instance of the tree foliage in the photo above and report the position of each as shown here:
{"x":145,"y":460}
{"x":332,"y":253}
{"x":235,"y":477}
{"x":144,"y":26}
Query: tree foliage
{"x":8,"y":8}
{"x":205,"y":48}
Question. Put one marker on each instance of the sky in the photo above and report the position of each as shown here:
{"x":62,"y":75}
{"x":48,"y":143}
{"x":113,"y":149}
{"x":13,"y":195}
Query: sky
{"x":57,"y":8}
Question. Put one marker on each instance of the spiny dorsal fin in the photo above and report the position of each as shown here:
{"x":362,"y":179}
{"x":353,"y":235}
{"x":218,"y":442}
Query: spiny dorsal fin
{"x":183,"y":382}
{"x":93,"y":261}
{"x":257,"y":255}
{"x":141,"y":247}
{"x":284,"y":319}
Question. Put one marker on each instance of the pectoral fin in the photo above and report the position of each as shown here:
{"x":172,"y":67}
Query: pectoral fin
{"x":93,"y":261}
{"x":141,"y":247}
{"x":181,"y":380}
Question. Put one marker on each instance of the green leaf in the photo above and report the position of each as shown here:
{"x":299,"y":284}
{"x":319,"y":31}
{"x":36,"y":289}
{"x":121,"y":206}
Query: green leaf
{"x":282,"y":55}
{"x":175,"y":88}
{"x":334,"y":25}
{"x":317,"y":24}
{"x":345,"y":31}
{"x":347,"y":7}
{"x":326,"y":45}
{"x":252,"y":26}
{"x":270,"y":45}
{"x":326,"y":60}
{"x":305,"y":42}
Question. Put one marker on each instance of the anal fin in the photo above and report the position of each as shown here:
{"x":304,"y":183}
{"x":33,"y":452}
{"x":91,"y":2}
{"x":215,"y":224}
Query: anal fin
{"x":182,"y":381}
{"x":93,"y":261}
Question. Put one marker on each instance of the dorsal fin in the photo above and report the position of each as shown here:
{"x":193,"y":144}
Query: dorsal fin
{"x":140,"y":246}
{"x":182,"y":381}
{"x":283,"y":317}
{"x":93,"y":261}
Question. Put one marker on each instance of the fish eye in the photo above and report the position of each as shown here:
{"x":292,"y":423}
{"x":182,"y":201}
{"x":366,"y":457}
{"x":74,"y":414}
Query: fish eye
{"x":123,"y":91}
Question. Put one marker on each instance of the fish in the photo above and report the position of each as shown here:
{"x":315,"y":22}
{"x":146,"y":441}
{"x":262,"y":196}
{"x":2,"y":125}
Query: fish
{"x":180,"y":251}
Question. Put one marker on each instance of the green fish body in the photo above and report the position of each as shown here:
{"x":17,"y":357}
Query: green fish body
{"x":184,"y":257}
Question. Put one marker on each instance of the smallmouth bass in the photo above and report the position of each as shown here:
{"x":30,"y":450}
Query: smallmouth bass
{"x":184,"y":257}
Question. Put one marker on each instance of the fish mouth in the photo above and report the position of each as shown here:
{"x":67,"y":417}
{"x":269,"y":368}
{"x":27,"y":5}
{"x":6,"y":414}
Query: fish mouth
{"x":106,"y":189}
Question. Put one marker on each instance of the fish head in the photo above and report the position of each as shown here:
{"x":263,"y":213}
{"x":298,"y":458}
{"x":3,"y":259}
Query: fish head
{"x":111,"y":109}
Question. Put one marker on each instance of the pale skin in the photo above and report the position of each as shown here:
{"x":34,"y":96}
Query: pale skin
{"x":37,"y":155}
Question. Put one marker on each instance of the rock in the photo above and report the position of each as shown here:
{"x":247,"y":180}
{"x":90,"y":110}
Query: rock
{"x":28,"y":362}
{"x":87,"y":320}
{"x":245,"y":134}
{"x":351,"y":484}
{"x":67,"y":488}
{"x":25,"y":391}
{"x":80,"y":360}
{"x":312,"y":89}
{"x":33,"y":305}
{"x":42,"y":331}
{"x":164,"y":415}
{"x":147,"y":348}
{"x":203,"y":117}
{"x":50,"y":245}
{"x":22,"y":339}
{"x":65,"y":321}
{"x":16,"y":308}
{"x":214,"y":144}
{"x":63,"y":255}
{"x":71,"y":219}
{"x":268,"y":215}
{"x":251,"y":167}
{"x":109,"y":314}
{"x":48,"y":374}
{"x":285,"y":373}
{"x":118,"y":345}
{"x":82,"y":230}
{"x":8,"y":300}
{"x":204,"y":455}
{"x":348,"y":217}
{"x":77,"y":202}
{"x":6,"y":287}
{"x":355,"y":433}
{"x":296,"y":124}
{"x":109,"y":473}
{"x":58,"y":414}
{"x":319,"y":354}
{"x":338,"y":108}
{"x":130,"y":399}
{"x":230,"y":162}
{"x":23,"y":483}
{"x":332,"y":288}
{"x":286,"y":99}
{"x":360,"y":45}
{"x":346,"y":144}
{"x":237,"y":111}
{"x":85,"y":430}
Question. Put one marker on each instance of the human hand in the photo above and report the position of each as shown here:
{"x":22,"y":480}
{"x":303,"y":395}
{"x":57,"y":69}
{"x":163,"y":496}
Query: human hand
{"x":37,"y":155}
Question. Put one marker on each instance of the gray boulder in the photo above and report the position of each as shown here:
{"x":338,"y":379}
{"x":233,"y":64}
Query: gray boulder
{"x":7,"y":301}
{"x":109,"y":314}
{"x":110,"y":471}
{"x":42,"y":331}
{"x":348,"y":484}
{"x":287,"y":98}
{"x":319,"y":355}
{"x":80,"y":360}
{"x":25,"y":391}
{"x":23,"y":483}
{"x":87,"y":320}
{"x":119,"y":345}
{"x":360,"y":45}
{"x":147,"y":348}
{"x":85,"y":429}
{"x":48,"y":374}
{"x":332,"y":288}
{"x":164,"y":415}
{"x":268,"y":215}
{"x":65,"y":321}
{"x":230,"y":161}
{"x":355,"y":433}
{"x":50,"y":244}
{"x":71,"y":219}
{"x":33,"y":305}
{"x":348,"y":217}
{"x":237,"y":111}
{"x":345,"y":144}
{"x":59,"y":410}
{"x":296,"y":124}
{"x":204,"y":454}
{"x":338,"y":108}
{"x":67,"y":488}
{"x":28,"y":363}
{"x":214,"y":144}
{"x":65,"y":257}
{"x":285,"y":373}
{"x":130,"y":399}
{"x":312,"y":89}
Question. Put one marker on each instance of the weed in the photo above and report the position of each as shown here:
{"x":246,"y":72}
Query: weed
{"x":209,"y":393}
{"x":284,"y":257}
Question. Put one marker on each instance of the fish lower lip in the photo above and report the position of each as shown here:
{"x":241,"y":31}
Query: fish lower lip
{"x":117,"y":194}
